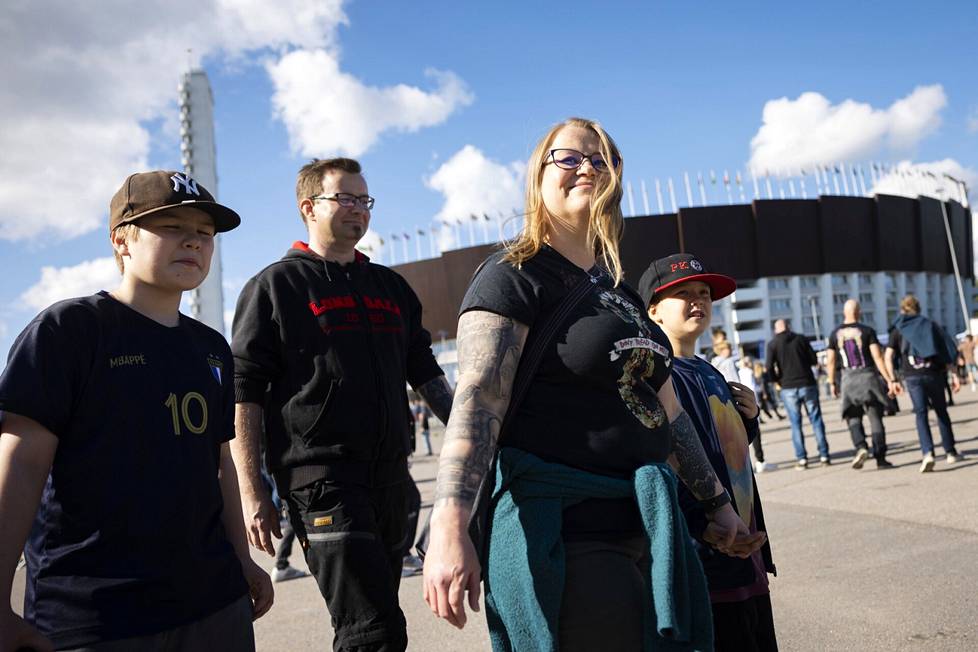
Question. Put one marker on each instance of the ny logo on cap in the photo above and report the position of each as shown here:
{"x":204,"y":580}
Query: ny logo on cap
{"x":189,"y":185}
{"x":695,"y":264}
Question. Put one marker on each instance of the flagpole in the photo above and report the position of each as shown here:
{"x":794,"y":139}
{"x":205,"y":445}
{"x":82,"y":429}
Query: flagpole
{"x":767,"y":182}
{"x":699,"y":180}
{"x":845,"y":184}
{"x":658,"y":196}
{"x":672,"y":196}
{"x":740,"y":187}
{"x":689,"y":192}
{"x":417,"y":244}
{"x":645,"y":197}
{"x":631,"y":199}
{"x":835,"y":179}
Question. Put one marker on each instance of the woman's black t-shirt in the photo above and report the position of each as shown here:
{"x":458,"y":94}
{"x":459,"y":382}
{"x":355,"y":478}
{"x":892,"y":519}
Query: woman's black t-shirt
{"x":592,"y":404}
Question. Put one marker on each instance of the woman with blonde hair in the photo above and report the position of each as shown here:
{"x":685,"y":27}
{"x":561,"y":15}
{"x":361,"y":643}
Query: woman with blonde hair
{"x":587,"y":548}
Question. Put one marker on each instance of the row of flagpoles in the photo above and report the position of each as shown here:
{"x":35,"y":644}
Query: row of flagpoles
{"x":395,"y":248}
{"x":838,"y":179}
{"x":702,"y":190}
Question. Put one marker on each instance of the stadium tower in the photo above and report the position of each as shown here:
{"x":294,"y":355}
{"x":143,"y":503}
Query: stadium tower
{"x":199,"y":159}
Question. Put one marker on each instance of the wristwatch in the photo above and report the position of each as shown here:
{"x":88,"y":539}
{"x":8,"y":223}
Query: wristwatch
{"x":711,"y":505}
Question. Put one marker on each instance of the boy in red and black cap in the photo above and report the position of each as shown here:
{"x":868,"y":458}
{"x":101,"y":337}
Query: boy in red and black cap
{"x":679,"y":294}
{"x":117,"y":410}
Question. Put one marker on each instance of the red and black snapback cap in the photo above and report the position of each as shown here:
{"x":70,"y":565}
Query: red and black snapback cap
{"x":145,"y":193}
{"x":680,"y":268}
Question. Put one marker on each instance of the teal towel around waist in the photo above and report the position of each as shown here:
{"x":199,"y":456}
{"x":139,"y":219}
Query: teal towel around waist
{"x":525,"y":574}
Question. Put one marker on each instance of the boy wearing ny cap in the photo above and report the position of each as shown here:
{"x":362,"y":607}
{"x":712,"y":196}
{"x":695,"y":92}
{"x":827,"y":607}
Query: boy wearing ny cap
{"x":117,"y":410}
{"x":679,"y":294}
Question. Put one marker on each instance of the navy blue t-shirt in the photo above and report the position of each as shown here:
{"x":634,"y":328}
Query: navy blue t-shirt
{"x":128,"y":539}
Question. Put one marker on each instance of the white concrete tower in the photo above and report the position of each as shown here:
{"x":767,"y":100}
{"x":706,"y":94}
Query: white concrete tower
{"x":199,"y":158}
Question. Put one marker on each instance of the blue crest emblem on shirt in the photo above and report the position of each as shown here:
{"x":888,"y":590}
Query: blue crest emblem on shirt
{"x":216,"y":368}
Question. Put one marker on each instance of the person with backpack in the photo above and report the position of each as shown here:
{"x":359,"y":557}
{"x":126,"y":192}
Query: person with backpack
{"x":925,"y":351}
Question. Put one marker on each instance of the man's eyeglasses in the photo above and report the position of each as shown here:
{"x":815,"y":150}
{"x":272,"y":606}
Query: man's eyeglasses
{"x":571,"y":159}
{"x":347,"y":200}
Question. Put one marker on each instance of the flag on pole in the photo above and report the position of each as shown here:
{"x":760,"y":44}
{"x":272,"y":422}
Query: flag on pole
{"x":689,"y":191}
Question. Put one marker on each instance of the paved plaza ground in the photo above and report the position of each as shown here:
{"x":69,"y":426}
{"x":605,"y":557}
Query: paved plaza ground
{"x":867,"y":560}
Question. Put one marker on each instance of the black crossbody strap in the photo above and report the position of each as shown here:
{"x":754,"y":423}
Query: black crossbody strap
{"x":536,"y":345}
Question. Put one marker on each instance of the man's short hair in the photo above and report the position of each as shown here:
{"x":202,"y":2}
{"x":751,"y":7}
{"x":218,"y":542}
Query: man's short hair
{"x":909,"y":305}
{"x":310,"y":181}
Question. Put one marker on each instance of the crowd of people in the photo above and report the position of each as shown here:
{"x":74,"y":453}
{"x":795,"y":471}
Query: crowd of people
{"x":607,"y":463}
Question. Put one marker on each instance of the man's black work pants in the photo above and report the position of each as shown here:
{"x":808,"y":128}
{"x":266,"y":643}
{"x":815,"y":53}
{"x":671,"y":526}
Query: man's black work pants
{"x":354,"y":538}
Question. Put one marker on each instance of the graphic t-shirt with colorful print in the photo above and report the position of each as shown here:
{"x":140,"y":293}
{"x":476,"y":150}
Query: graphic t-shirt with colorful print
{"x":704,"y":394}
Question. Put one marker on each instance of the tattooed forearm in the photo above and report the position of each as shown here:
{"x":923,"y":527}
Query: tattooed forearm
{"x":692,"y":465}
{"x":437,"y":394}
{"x":489,"y":348}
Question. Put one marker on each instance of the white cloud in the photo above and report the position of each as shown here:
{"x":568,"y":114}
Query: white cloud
{"x":810,"y":131}
{"x":911,"y":179}
{"x":80,"y":280}
{"x":473,"y":184}
{"x":80,"y":80}
{"x":329,"y":112}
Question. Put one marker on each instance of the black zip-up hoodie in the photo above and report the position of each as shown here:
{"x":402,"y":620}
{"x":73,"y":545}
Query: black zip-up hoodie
{"x":327,"y":351}
{"x":790,"y":359}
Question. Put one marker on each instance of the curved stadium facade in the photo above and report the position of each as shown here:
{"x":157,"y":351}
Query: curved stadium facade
{"x":795,"y":259}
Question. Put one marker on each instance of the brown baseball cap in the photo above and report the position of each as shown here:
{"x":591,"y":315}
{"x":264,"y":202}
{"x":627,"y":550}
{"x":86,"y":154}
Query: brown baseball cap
{"x":145,"y":193}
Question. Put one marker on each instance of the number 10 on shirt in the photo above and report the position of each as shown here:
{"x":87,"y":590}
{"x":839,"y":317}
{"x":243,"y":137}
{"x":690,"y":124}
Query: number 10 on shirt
{"x":182,"y":415}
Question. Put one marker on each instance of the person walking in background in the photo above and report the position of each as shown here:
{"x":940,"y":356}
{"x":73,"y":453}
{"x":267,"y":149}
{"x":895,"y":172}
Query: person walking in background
{"x":966,"y":355}
{"x":855,"y":345}
{"x":765,"y":394}
{"x":746,"y":373}
{"x":925,"y":352}
{"x":422,"y":414}
{"x":790,"y":359}
{"x":724,"y":361}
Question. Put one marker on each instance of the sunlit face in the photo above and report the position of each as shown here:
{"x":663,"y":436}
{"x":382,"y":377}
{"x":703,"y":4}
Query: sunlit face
{"x":567,"y":193}
{"x":327,"y":221}
{"x":172,"y":250}
{"x":684,"y":310}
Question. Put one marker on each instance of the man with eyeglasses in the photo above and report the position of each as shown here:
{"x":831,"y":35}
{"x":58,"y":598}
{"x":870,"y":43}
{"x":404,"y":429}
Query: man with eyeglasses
{"x":324,"y":344}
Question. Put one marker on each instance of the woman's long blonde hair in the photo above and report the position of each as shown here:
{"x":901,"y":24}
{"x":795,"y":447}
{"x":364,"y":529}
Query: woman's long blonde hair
{"x":606,"y":223}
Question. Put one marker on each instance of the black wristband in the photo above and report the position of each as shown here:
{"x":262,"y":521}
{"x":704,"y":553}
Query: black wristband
{"x":711,"y":505}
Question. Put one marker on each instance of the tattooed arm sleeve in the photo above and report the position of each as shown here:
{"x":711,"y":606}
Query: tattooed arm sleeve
{"x":437,"y":393}
{"x":688,"y":457}
{"x":489,"y":349}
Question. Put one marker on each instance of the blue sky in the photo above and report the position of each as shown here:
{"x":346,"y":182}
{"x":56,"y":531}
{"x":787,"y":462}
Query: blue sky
{"x":680,"y":87}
